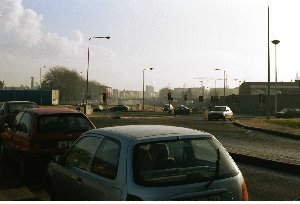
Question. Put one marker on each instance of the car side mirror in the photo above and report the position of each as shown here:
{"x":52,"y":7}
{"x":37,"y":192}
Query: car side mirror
{"x":5,"y":125}
{"x":58,"y":159}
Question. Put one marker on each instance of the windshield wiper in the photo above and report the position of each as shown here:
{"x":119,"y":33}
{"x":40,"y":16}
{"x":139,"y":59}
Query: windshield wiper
{"x":216,"y":171}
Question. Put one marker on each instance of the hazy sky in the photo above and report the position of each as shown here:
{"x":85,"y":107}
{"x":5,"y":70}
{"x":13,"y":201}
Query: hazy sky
{"x":182,"y":39}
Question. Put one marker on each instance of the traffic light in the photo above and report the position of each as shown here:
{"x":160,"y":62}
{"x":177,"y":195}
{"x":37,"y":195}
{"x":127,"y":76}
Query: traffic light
{"x":185,"y":97}
{"x":233,"y":97}
{"x":104,"y":97}
{"x":236,"y":99}
{"x":214,"y":99}
{"x":200,"y":98}
{"x":169,"y":96}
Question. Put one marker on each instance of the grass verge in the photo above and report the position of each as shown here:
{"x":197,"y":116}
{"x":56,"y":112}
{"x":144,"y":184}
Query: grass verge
{"x":292,"y":123}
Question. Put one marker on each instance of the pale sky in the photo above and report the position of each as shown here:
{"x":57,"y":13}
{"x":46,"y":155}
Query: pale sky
{"x":183,"y":40}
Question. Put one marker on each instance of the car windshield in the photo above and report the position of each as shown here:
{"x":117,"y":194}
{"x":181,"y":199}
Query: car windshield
{"x":17,"y":107}
{"x":179,"y":162}
{"x":63,"y":123}
{"x":219,"y":108}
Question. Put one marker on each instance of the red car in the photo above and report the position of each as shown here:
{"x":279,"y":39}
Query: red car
{"x":38,"y":134}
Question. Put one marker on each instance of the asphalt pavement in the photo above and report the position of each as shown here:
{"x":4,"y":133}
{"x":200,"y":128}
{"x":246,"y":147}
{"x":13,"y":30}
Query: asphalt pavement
{"x":278,"y":163}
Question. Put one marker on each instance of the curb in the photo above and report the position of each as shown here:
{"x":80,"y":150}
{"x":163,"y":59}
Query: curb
{"x":266,"y":163}
{"x":278,"y":133}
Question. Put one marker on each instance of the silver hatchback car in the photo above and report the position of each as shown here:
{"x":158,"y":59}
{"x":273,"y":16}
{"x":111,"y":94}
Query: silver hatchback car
{"x":146,"y":162}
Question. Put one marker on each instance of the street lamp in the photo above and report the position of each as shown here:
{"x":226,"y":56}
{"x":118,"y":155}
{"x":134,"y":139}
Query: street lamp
{"x":41,"y":76}
{"x":224,"y":81}
{"x":144,"y":87}
{"x":275,"y":42}
{"x":87,"y":70}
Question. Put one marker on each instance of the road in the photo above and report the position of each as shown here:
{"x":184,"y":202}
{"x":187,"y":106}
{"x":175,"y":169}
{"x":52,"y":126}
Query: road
{"x":232,"y":137}
{"x":263,"y":184}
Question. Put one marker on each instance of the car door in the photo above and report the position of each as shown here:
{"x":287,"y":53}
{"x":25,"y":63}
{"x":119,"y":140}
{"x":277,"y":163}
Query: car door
{"x":8,"y":135}
{"x":103,"y":183}
{"x":2,"y":115}
{"x":68,"y":175}
{"x":21,"y":135}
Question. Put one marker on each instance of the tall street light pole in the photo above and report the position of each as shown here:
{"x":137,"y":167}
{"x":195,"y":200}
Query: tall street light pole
{"x":144,"y":87}
{"x":224,"y":80}
{"x":41,"y":76}
{"x":87,"y":70}
{"x":275,"y":42}
{"x":269,"y":98}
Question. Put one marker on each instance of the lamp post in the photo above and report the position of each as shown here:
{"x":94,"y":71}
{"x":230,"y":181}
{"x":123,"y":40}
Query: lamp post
{"x":87,"y":70}
{"x":41,"y":76}
{"x":224,"y":80}
{"x":144,"y":87}
{"x":269,"y":98}
{"x":275,"y":42}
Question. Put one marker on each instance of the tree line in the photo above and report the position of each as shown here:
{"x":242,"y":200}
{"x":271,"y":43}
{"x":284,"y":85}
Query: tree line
{"x":71,"y":84}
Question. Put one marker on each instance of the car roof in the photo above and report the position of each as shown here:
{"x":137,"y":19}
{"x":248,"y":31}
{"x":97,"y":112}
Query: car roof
{"x":51,"y":110}
{"x":137,"y":132}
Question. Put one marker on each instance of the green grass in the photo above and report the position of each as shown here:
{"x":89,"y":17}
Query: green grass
{"x":292,"y":123}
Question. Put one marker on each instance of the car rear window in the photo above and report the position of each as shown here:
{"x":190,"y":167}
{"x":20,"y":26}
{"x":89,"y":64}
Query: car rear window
{"x":178,"y":162}
{"x":63,"y":123}
{"x":219,"y":108}
{"x":18,"y":107}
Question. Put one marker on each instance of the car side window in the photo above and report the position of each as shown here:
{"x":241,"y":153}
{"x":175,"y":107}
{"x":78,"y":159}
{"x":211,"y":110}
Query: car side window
{"x":2,"y":108}
{"x":107,"y":159}
{"x":25,"y":123}
{"x":82,"y":152}
{"x":16,"y":121}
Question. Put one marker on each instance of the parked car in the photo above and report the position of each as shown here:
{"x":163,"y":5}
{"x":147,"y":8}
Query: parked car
{"x":289,"y":113}
{"x":123,"y":108}
{"x":146,"y":162}
{"x":9,"y":110}
{"x":220,"y":112}
{"x":182,"y":110}
{"x":97,"y":108}
{"x":38,"y":134}
{"x":168,"y":108}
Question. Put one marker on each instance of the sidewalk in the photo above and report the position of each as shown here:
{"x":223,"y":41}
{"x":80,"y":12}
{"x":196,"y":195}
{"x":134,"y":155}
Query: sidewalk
{"x":258,"y":123}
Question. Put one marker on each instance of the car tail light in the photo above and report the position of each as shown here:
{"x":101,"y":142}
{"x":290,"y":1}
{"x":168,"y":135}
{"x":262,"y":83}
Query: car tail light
{"x":244,"y":191}
{"x":132,"y":198}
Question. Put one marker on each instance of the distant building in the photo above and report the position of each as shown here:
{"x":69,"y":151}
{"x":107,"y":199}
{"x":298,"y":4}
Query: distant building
{"x":256,"y":88}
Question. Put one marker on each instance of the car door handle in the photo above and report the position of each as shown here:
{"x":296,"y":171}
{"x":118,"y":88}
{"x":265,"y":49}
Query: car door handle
{"x":79,"y":180}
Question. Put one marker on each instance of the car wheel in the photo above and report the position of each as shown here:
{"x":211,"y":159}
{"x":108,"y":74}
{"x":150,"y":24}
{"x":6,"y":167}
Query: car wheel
{"x":224,"y":118}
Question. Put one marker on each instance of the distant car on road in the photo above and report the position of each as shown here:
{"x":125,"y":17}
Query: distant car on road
{"x":289,"y":113}
{"x":38,"y":134}
{"x":168,"y":108}
{"x":146,"y":162}
{"x":9,"y":110}
{"x":220,"y":112}
{"x":97,"y":108}
{"x":123,"y":108}
{"x":182,"y":110}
